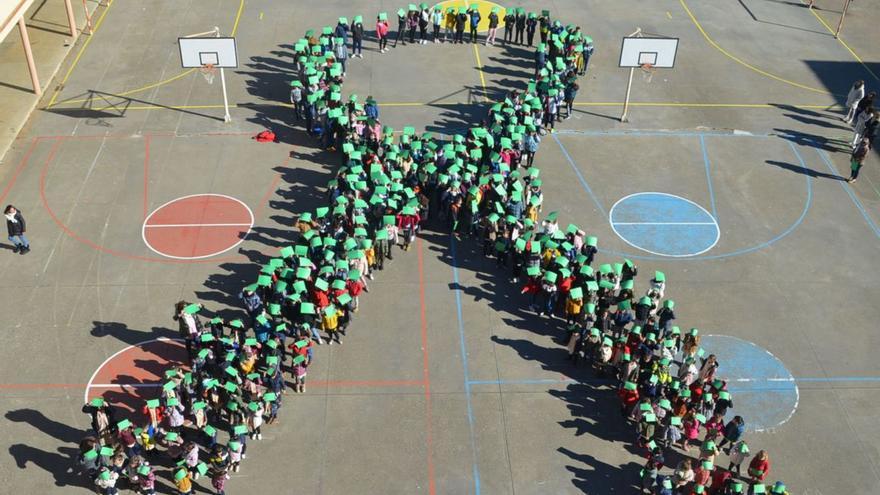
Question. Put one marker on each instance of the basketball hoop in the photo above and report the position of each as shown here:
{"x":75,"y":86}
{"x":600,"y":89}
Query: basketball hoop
{"x":648,"y":71}
{"x":208,"y":72}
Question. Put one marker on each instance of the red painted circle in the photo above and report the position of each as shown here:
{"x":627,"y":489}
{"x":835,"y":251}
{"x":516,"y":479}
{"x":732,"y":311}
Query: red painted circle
{"x":197,"y":226}
{"x":135,"y":374}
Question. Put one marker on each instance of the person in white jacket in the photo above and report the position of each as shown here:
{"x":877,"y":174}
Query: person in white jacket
{"x":852,"y":100}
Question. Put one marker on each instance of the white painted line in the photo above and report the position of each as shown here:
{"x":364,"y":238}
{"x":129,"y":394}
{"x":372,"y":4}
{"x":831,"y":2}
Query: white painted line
{"x":664,"y":223}
{"x":146,"y":220}
{"x":791,"y":378}
{"x":120,"y":351}
{"x":198,"y":225}
{"x":123,"y":385}
{"x":686,"y":255}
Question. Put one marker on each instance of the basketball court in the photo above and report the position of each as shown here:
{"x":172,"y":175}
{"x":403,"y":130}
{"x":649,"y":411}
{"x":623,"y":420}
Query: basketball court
{"x":140,"y":189}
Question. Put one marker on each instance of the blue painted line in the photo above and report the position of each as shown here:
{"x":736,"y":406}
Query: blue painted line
{"x":807,"y":204}
{"x":661,"y":133}
{"x":464,"y":365}
{"x":805,"y":379}
{"x":846,"y":187}
{"x":579,"y":175}
{"x":708,"y":176}
{"x":521,"y":382}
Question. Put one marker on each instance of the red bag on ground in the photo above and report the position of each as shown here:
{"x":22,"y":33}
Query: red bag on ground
{"x":265,"y":137}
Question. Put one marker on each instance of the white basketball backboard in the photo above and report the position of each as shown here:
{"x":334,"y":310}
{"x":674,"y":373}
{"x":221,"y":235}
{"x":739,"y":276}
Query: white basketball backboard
{"x":219,"y":52}
{"x":658,"y":52}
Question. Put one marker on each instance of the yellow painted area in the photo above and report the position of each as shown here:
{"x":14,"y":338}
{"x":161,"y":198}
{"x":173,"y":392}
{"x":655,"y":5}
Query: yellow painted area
{"x":850,"y":50}
{"x":131,"y":91}
{"x":742,"y":62}
{"x":483,"y":6}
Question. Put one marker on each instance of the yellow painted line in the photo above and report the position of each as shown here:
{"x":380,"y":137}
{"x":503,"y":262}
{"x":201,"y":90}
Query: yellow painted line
{"x":742,"y":62}
{"x":415,"y":104}
{"x":702,"y":105}
{"x":238,"y":18}
{"x":131,"y":91}
{"x":65,"y":103}
{"x":669,"y":15}
{"x":79,"y":55}
{"x":480,"y":70}
{"x":850,"y":50}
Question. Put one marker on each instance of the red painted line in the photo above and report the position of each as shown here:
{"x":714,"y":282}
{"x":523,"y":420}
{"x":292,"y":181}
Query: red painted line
{"x":146,"y":173}
{"x":71,"y":233}
{"x":18,"y":169}
{"x":272,"y":188}
{"x":39,"y":386}
{"x":321,"y":383}
{"x":426,"y":375}
{"x":366,"y":383}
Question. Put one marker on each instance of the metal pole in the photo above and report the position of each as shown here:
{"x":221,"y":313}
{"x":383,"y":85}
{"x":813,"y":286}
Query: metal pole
{"x":88,"y":18}
{"x":71,"y":19}
{"x":227,"y":117}
{"x":628,"y":88}
{"x":29,"y":55}
{"x":842,"y":15}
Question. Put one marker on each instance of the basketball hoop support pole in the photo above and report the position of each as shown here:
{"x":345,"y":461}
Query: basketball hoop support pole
{"x":227,"y":118}
{"x":629,"y":84}
{"x":628,"y":89}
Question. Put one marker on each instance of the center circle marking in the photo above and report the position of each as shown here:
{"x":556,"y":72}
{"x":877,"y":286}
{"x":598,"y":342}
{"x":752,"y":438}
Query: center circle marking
{"x":664,"y":224}
{"x":197,"y":226}
{"x":764,"y":392}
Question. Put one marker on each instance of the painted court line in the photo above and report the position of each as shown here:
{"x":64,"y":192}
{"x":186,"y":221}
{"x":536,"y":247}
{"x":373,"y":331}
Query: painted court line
{"x":464,"y":365}
{"x":426,"y":375}
{"x":160,"y":225}
{"x":664,"y":223}
{"x":708,"y":176}
{"x":599,"y":381}
{"x":846,"y":187}
{"x":580,"y":176}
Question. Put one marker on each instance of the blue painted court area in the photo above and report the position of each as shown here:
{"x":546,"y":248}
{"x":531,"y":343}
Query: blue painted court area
{"x":664,"y":224}
{"x":764,"y":391}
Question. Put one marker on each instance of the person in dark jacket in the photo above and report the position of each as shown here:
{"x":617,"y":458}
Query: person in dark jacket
{"x":460,"y":21}
{"x":531,"y":25}
{"x":16,"y":227}
{"x":733,"y":431}
{"x":509,"y":23}
{"x":357,"y":37}
{"x":520,"y":27}
{"x":401,"y":28}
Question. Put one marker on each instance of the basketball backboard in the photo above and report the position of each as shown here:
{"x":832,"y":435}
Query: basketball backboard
{"x":657,"y":52}
{"x":217,"y":52}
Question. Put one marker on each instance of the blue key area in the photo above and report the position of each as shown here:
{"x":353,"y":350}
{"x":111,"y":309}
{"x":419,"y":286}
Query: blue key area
{"x":763,"y":390}
{"x":664,"y":224}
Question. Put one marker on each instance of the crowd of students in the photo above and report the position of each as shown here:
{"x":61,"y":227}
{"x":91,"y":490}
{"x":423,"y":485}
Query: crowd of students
{"x":481,"y":185}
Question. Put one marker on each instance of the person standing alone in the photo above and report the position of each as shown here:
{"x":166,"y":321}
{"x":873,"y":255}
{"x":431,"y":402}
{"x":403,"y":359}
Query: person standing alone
{"x":16,"y":228}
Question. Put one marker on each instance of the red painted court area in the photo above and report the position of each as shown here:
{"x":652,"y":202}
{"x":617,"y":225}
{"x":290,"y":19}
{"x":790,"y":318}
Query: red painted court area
{"x":197,"y":226}
{"x":135,"y":373}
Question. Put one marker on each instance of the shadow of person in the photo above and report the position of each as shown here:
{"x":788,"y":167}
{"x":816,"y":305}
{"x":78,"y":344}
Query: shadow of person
{"x":603,"y":477}
{"x":38,"y":420}
{"x":62,"y":465}
{"x":128,"y":335}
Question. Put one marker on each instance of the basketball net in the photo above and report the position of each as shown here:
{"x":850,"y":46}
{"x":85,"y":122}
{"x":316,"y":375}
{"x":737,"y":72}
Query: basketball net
{"x":648,"y":72}
{"x":208,"y":72}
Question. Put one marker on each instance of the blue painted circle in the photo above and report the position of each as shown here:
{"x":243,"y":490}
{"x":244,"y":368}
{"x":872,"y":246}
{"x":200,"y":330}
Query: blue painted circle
{"x":664,"y":224}
{"x":764,"y":392}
